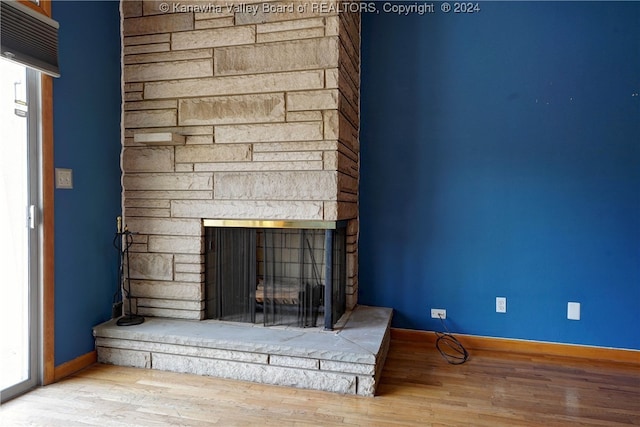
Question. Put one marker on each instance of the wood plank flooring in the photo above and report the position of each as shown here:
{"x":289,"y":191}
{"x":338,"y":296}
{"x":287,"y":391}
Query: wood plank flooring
{"x":417,"y":388}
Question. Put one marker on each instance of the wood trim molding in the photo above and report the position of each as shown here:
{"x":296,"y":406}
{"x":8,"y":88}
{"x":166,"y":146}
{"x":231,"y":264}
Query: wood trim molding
{"x":48,"y":262}
{"x":536,"y":348}
{"x":44,"y":7}
{"x":75,"y":365}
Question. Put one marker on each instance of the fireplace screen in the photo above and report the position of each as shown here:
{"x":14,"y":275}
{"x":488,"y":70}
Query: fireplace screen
{"x":276,"y":276}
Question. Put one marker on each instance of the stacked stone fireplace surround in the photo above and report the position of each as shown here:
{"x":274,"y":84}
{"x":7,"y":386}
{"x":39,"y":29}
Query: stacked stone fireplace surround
{"x":245,"y":111}
{"x":268,"y":104}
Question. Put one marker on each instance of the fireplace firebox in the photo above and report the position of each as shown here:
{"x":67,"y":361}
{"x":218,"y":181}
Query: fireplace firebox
{"x":278,"y":273}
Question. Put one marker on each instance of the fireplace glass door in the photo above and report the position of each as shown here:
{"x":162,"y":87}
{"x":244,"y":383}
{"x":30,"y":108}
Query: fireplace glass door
{"x":290,"y":286}
{"x":232,"y":270}
{"x":275,"y":276}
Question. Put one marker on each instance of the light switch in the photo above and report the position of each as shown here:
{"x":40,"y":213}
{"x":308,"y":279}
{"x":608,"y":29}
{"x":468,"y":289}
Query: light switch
{"x":64,"y":178}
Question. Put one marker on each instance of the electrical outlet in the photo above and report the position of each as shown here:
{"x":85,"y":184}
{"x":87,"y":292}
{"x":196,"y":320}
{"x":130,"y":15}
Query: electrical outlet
{"x":501,"y":304}
{"x":438,"y":313}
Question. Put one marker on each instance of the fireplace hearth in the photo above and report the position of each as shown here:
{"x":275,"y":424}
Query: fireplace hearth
{"x":347,"y":360}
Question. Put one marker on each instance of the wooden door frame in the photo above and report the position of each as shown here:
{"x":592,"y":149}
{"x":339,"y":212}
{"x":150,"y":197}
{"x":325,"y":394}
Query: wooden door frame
{"x":48,"y":262}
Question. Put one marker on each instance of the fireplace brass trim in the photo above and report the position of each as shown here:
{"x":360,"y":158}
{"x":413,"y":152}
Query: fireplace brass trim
{"x":269,"y":223}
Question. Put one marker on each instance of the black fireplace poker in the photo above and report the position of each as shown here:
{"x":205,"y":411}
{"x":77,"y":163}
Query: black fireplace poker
{"x":122,"y":242}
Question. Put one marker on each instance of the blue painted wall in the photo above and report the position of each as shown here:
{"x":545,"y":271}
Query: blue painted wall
{"x":500,"y":156}
{"x":87,"y":140}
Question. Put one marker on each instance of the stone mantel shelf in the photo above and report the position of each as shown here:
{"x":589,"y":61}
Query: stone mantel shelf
{"x":159,"y":138}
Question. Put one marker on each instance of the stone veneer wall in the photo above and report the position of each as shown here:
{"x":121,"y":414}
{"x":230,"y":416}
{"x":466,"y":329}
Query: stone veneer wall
{"x":268,"y":103}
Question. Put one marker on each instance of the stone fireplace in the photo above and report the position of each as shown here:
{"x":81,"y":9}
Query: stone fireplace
{"x":235,"y":113}
{"x":245,"y":112}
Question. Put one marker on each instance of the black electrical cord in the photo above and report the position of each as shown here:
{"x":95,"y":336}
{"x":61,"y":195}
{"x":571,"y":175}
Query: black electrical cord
{"x":453,"y":352}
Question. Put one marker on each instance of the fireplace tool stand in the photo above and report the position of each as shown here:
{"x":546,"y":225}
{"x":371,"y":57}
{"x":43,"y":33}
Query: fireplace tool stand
{"x":122,"y":242}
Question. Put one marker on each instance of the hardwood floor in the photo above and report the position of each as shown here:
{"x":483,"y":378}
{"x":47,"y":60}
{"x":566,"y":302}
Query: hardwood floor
{"x":417,"y":388}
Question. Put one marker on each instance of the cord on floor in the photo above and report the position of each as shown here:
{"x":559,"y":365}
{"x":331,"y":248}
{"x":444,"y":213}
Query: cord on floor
{"x":449,"y":347}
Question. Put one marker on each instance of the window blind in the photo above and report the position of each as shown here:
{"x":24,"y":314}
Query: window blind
{"x":29,"y":37}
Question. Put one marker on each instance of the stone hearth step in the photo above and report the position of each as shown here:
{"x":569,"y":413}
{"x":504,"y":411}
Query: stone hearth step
{"x":348,"y":360}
